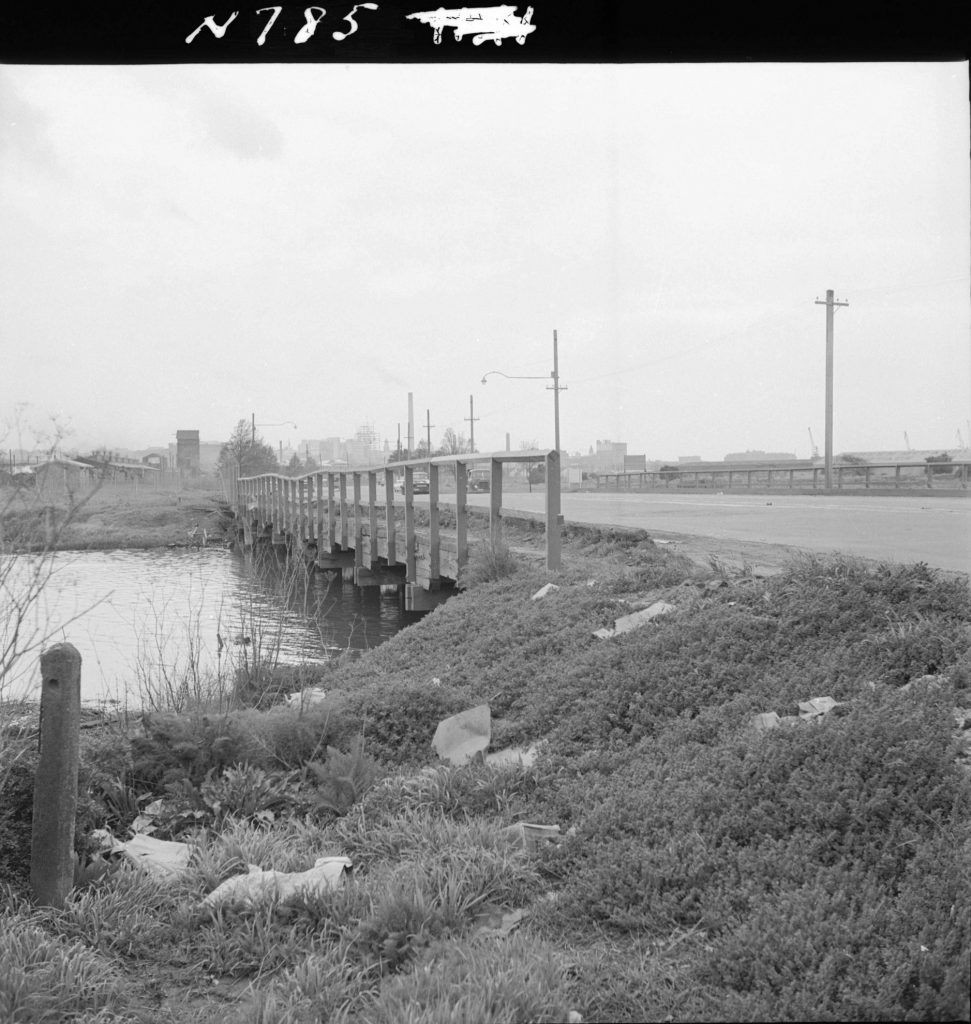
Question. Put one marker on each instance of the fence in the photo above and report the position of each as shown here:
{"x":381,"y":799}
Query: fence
{"x":896,"y":476}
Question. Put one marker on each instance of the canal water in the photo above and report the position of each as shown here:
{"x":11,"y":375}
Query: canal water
{"x":146,"y":622}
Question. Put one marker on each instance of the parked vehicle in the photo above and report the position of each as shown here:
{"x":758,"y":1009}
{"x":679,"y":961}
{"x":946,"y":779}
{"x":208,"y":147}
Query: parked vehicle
{"x":420,"y":483}
{"x":479,"y":479}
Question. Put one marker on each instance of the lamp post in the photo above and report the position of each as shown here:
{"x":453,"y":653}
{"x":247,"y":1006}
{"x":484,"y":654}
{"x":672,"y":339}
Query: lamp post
{"x":556,"y":387}
{"x":254,"y":425}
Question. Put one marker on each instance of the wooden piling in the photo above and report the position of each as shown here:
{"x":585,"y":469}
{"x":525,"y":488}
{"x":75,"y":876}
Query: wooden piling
{"x":56,"y":782}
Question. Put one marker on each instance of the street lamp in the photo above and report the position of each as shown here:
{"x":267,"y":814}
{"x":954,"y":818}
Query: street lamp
{"x":254,"y":425}
{"x":556,"y":387}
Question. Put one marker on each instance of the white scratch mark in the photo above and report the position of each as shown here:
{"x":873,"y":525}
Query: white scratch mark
{"x":484,"y":24}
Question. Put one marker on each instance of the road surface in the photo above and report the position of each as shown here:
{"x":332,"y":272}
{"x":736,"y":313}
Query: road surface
{"x":911,"y":528}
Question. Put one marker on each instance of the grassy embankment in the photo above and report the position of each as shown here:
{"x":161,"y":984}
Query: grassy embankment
{"x":705,"y":870}
{"x":110,"y":516}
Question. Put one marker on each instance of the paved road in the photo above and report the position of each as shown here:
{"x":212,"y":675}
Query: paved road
{"x":901,"y":529}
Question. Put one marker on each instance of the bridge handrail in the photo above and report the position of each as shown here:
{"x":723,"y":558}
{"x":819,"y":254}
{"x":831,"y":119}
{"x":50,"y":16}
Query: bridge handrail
{"x":287,"y":501}
{"x":465,"y":458}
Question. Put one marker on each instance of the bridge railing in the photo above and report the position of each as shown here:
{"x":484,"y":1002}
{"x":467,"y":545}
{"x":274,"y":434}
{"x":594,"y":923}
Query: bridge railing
{"x":872,"y":475}
{"x":356,"y":508}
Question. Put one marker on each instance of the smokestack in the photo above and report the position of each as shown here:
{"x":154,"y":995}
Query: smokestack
{"x":411,"y":423}
{"x":507,"y":443}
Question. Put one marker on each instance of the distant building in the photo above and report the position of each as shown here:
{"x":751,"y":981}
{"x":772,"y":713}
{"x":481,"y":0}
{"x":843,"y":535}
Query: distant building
{"x":617,"y":448}
{"x":187,"y":451}
{"x":326,"y":449}
{"x":689,"y":458}
{"x":760,"y":456}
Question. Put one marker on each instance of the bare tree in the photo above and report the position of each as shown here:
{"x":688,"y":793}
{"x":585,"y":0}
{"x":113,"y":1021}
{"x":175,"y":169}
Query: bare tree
{"x":453,"y":443}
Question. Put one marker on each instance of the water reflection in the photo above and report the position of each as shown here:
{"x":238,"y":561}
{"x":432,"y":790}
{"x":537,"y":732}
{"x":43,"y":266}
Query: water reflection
{"x":152,"y":620}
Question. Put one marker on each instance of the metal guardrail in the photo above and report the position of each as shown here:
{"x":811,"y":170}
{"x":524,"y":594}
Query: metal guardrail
{"x":328,"y":509}
{"x":951,"y":476}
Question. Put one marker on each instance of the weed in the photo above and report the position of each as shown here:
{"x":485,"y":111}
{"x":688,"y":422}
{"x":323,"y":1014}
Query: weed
{"x":483,"y":982}
{"x":46,"y":977}
{"x":487,"y":563}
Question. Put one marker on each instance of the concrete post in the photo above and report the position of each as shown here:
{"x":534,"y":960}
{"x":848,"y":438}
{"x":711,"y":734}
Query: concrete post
{"x":56,"y":784}
{"x":553,"y":517}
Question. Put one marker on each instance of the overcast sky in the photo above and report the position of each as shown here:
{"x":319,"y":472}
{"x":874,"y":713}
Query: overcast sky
{"x":183,"y":246}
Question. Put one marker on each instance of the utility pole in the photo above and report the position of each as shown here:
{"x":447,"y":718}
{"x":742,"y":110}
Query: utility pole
{"x":471,"y":419}
{"x":556,"y":388}
{"x":252,"y":436}
{"x":428,"y":430}
{"x":831,"y":304}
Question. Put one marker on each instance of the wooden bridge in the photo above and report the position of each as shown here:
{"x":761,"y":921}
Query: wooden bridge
{"x":352,"y":519}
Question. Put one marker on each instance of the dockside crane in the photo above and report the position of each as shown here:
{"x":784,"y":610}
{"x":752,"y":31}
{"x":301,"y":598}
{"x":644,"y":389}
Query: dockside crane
{"x":812,"y":443}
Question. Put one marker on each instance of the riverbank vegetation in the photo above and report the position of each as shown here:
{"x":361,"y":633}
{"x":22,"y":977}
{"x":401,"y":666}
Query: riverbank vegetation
{"x":704,"y":869}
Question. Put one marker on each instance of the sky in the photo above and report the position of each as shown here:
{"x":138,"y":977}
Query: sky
{"x":182,"y":247}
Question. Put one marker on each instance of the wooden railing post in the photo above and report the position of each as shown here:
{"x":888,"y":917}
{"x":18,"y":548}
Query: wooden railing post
{"x":434,"y":541}
{"x":358,"y":523}
{"x":319,"y":495}
{"x":411,"y":561}
{"x":461,"y":515}
{"x":302,"y":516}
{"x":56,"y":781}
{"x":343,"y":508}
{"x":372,"y":511}
{"x":553,"y":510}
{"x":495,"y":502}
{"x":389,"y":514}
{"x":331,"y":514}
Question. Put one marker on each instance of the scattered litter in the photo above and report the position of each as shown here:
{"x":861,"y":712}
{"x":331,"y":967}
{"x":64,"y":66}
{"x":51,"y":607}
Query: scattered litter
{"x":531,"y":837}
{"x":811,"y":710}
{"x":931,"y":682}
{"x":436,"y":681}
{"x":327,"y":873}
{"x":767,"y":720}
{"x":306,"y":697}
{"x":492,"y":921}
{"x":526,"y":756}
{"x":635,"y":620}
{"x":162,"y":859}
{"x":543,"y":591}
{"x":459,"y":738}
{"x":816,"y":706}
